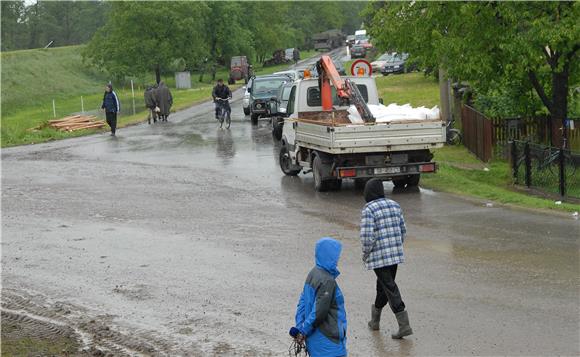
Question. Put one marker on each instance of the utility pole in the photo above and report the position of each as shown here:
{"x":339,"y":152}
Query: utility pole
{"x":444,"y":95}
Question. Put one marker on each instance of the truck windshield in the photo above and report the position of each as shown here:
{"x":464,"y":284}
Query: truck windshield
{"x":265,"y":86}
{"x":236,"y":62}
{"x":313,"y":96}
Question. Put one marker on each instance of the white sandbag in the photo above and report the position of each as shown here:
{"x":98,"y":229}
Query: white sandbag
{"x":392,"y":112}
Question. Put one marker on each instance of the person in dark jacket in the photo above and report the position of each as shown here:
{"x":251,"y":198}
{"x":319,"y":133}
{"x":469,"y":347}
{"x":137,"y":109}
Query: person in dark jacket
{"x":382,"y":233}
{"x":150,"y":104}
{"x":221,"y":91}
{"x":111,"y":107}
{"x":164,"y":100}
{"x":320,"y":315}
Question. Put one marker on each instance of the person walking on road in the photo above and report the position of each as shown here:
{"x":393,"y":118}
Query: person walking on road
{"x":111,"y":107}
{"x":164,"y":100}
{"x":320,"y":315}
{"x":221,"y":91}
{"x":150,"y":104}
{"x":382,"y":234}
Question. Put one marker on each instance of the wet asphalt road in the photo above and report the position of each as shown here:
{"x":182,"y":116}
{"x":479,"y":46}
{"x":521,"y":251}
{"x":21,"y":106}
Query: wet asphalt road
{"x":182,"y":239}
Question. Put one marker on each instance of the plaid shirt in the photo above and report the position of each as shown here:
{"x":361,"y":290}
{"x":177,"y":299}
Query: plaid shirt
{"x":382,"y":233}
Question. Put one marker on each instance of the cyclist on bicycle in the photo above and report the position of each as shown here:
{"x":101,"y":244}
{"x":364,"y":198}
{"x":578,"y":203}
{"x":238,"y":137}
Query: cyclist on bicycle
{"x":223,"y":92}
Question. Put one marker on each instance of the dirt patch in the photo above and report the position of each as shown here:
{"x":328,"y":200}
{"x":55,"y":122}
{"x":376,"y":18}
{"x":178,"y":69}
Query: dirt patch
{"x":25,"y":336}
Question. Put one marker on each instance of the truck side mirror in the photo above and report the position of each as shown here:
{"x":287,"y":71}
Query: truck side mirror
{"x":381,"y":101}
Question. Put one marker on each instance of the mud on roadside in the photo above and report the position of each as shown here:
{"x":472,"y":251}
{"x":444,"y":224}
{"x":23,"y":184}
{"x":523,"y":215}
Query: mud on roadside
{"x":32,"y":326}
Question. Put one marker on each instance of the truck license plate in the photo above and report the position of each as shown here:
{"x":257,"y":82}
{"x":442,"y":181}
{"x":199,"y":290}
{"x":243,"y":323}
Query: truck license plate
{"x":387,"y":170}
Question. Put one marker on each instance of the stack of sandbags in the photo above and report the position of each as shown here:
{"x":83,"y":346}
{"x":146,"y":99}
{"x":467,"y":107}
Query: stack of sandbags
{"x":394,"y":112}
{"x":76,"y":122}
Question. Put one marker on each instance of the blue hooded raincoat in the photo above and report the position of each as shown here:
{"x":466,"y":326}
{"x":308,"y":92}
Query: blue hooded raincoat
{"x":320,"y":315}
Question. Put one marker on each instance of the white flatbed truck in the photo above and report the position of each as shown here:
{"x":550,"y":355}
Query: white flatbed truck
{"x":326,"y":143}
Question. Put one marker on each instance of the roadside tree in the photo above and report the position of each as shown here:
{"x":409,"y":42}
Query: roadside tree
{"x":133,"y":41}
{"x":501,"y":48}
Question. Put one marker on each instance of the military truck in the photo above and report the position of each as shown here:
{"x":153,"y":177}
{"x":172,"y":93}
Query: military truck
{"x":328,"y":40}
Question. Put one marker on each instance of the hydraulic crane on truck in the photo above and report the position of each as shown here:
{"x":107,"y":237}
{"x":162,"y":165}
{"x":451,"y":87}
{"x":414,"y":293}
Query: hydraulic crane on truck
{"x":346,"y":91}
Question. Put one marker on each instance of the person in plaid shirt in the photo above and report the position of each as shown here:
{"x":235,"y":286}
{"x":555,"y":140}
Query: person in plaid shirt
{"x":382,"y":233}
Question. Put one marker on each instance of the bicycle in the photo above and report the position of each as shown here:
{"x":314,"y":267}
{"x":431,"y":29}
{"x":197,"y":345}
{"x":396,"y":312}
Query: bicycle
{"x":224,"y":113}
{"x":453,"y":136}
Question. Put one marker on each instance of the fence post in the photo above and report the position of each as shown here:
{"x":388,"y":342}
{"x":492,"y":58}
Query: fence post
{"x":53,"y":108}
{"x":133,"y":95}
{"x":562,"y":166}
{"x":514,"y":149}
{"x":528,"y":162}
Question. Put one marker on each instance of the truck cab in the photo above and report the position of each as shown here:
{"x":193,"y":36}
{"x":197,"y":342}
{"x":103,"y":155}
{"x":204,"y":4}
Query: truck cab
{"x":333,"y":148}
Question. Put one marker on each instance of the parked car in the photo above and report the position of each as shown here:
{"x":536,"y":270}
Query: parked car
{"x":262,"y":90}
{"x":398,"y":64}
{"x":292,"y":74}
{"x":366,"y":44}
{"x":278,"y":109}
{"x":246,"y":98}
{"x":239,"y":69}
{"x":380,"y":62}
{"x":350,"y":40}
{"x":358,"y":51}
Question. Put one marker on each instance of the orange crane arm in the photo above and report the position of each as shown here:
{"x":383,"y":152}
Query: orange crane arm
{"x":345,"y":90}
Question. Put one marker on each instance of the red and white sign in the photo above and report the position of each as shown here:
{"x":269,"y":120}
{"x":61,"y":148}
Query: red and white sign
{"x":361,"y":68}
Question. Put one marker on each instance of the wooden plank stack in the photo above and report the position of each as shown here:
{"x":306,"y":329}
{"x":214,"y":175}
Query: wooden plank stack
{"x":76,"y":122}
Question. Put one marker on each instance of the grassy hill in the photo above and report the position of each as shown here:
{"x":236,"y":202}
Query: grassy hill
{"x":33,"y":77}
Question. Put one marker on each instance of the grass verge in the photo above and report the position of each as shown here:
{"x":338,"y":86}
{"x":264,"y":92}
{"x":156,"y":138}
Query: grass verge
{"x":461,"y":173}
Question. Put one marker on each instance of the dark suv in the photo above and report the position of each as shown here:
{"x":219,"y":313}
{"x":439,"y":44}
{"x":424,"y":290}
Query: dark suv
{"x":278,"y":109}
{"x":262,"y":90}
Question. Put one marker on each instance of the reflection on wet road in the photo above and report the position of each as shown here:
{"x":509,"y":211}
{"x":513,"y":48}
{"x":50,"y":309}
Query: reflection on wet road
{"x":189,"y":240}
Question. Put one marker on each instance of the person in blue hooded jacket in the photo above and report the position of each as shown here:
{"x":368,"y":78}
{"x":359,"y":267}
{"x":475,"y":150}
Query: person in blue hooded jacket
{"x":111,"y":107}
{"x":320,"y":315}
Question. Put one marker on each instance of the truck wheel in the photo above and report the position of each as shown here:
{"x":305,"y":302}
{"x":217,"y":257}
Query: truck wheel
{"x":334,"y":185}
{"x":254,"y":119}
{"x":408,"y":181}
{"x":246,"y":111}
{"x":286,"y":162}
{"x":360,"y":183}
{"x":413,"y":181}
{"x":276,"y":129}
{"x":320,"y":185}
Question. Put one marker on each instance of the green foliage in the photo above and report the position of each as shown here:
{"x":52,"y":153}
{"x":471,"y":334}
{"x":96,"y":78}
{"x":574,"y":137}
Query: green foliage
{"x":36,"y":24}
{"x":207,"y":35}
{"x":133,"y":41}
{"x":499,"y":47}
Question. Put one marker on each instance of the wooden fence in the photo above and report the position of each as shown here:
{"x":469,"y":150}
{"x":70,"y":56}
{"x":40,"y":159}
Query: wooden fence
{"x":477,"y":133}
{"x":488,"y":137}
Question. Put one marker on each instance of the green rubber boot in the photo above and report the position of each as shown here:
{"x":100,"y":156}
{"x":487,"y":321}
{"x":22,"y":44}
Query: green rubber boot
{"x":404,"y":327}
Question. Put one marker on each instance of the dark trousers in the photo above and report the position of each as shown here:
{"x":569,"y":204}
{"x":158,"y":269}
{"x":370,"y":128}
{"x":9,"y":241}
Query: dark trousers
{"x":112,"y":121}
{"x":387,"y":289}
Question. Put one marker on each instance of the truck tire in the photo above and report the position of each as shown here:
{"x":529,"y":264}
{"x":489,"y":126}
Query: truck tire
{"x":360,"y":183}
{"x":247,"y":111}
{"x":286,"y":163}
{"x":406,"y":181}
{"x":276,"y":129}
{"x":321,"y":184}
{"x":254,"y":118}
